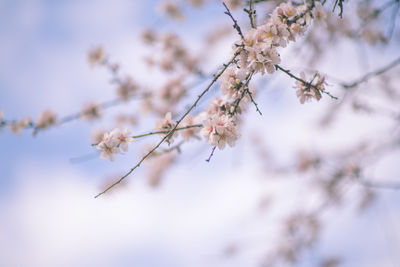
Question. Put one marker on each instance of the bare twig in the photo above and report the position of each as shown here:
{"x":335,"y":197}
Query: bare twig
{"x":254,"y":102}
{"x":252,"y":14}
{"x":340,"y":4}
{"x":235,"y":24}
{"x":212,"y":154}
{"x":167,"y":131}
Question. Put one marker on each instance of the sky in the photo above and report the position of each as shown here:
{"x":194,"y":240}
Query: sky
{"x":48,"y":214}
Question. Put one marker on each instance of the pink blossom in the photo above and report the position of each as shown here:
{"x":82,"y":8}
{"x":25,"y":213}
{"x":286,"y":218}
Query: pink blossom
{"x":220,"y":130}
{"x":96,"y":56}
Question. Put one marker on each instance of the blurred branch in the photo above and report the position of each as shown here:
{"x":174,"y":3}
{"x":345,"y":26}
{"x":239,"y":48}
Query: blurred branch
{"x":378,"y":185}
{"x":371,"y":74}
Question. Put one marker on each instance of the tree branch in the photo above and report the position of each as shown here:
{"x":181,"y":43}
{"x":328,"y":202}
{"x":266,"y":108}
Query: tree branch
{"x":225,"y":66}
{"x":371,"y":74}
{"x":305,"y":82}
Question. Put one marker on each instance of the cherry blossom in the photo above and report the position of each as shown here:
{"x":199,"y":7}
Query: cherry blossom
{"x":97,"y":56}
{"x":220,"y":130}
{"x":46,"y":119}
{"x":309,"y":90}
{"x":123,"y":137}
{"x":91,"y":111}
{"x":108,"y":146}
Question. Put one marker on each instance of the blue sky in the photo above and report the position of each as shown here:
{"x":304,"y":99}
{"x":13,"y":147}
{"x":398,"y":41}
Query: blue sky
{"x":48,"y":212}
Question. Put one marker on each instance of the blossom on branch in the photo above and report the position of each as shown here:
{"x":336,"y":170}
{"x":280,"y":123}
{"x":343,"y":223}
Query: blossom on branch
{"x":112,"y":143}
{"x":220,"y":130}
{"x":17,"y":126}
{"x":172,"y":10}
{"x":91,"y":111}
{"x":126,"y":88}
{"x":309,"y":90}
{"x":167,"y":124}
{"x":46,"y":119}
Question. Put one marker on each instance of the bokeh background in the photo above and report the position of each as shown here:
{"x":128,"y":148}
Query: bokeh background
{"x":48,"y":214}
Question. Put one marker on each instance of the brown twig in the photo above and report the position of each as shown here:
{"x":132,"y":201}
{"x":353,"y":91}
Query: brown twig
{"x":235,"y":24}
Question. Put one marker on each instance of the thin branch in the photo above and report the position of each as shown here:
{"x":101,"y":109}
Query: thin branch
{"x":371,"y":74}
{"x":164,"y":131}
{"x":254,"y":102}
{"x":304,"y":82}
{"x":245,"y":86}
{"x":235,"y":24}
{"x":225,"y":66}
{"x":252,"y":14}
{"x":102,"y":106}
{"x":379,"y":185}
{"x":212,"y":154}
{"x":167,"y":131}
{"x":340,"y":4}
{"x":375,"y":14}
{"x":393,"y":20}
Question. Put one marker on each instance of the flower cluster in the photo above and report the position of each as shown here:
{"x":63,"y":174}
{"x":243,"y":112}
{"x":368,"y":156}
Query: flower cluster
{"x":196,"y":3}
{"x":167,"y":124}
{"x":171,"y":93}
{"x":97,"y":56}
{"x":127,"y":88}
{"x":311,"y":89}
{"x":258,"y":50}
{"x":172,"y":10}
{"x":257,"y":53}
{"x":17,"y":126}
{"x":174,"y":54}
{"x":46,"y":119}
{"x":112,"y":143}
{"x":91,"y":111}
{"x":220,"y":130}
{"x":231,"y":82}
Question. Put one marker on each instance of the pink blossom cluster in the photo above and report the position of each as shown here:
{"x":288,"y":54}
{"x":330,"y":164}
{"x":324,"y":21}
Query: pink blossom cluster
{"x":257,"y":53}
{"x":97,"y":56}
{"x":220,"y":130}
{"x":20,"y":124}
{"x":113,"y":142}
{"x":258,"y":50}
{"x":46,"y":119}
{"x":311,"y":89}
{"x":166,"y":124}
{"x":174,"y":54}
{"x":127,"y":88}
{"x":170,"y":94}
{"x":91,"y":111}
{"x":171,"y":9}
